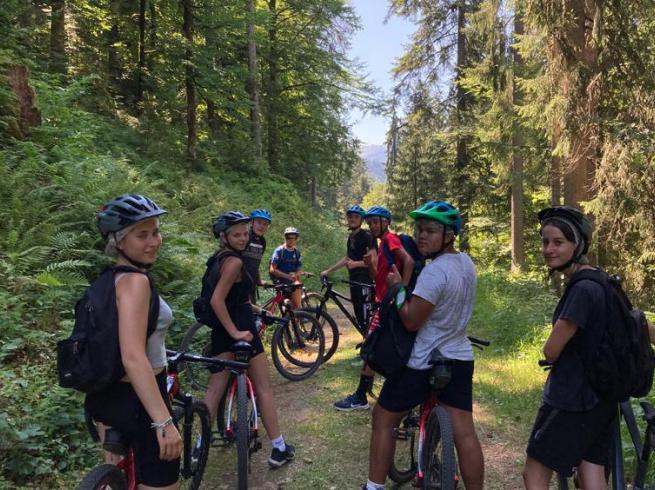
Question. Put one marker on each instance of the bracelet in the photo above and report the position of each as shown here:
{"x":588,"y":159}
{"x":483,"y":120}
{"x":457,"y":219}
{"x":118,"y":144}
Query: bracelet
{"x":161,"y":427}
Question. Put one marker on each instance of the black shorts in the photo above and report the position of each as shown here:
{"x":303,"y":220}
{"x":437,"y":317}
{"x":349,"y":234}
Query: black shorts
{"x":223,"y":341}
{"x":244,"y":320}
{"x":120,"y":408}
{"x":411,"y":387}
{"x":561,"y":439}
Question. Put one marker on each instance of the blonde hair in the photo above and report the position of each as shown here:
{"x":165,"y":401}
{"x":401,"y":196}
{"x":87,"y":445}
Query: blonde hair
{"x":111,"y":248}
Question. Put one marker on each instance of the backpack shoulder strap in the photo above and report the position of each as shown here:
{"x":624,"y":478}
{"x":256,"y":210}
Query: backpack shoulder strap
{"x":153,"y":310}
{"x":385,"y":249}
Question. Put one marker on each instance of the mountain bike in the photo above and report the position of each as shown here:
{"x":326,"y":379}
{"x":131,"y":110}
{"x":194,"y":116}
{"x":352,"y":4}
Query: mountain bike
{"x":196,"y":434}
{"x":316,"y":304}
{"x":425,"y":445}
{"x":297,"y":343}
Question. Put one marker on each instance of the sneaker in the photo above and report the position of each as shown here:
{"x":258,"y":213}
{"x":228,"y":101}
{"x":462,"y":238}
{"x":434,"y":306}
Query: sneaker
{"x":279,"y":458}
{"x":350,"y":403}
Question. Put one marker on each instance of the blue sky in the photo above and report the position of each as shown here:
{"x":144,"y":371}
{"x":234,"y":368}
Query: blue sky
{"x":377,"y":45}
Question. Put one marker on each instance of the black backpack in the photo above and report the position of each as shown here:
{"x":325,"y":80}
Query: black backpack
{"x":90,"y":359}
{"x":387,"y":348}
{"x":202,"y":308}
{"x":622,"y":365}
{"x":412,"y":249}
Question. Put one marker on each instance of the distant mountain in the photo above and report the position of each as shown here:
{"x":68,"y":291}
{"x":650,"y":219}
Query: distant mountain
{"x":375,"y":157}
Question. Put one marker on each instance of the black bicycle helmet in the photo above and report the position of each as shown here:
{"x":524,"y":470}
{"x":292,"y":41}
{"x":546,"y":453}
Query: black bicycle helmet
{"x":226,"y":220}
{"x":124,"y":211}
{"x":572,"y":217}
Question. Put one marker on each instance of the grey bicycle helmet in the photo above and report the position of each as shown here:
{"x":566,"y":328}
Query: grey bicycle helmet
{"x":226,"y":220}
{"x":124,"y":211}
{"x":290,"y":230}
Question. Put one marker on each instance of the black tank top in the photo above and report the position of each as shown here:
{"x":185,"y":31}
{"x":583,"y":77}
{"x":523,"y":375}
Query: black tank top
{"x":237,"y":300}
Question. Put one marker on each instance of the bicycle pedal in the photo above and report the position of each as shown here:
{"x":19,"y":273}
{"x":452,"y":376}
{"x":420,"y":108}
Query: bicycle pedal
{"x":401,"y":434}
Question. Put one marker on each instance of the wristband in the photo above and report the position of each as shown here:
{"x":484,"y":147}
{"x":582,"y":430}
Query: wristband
{"x":161,"y":427}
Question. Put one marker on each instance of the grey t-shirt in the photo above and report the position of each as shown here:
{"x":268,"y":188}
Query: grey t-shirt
{"x":448,"y":282}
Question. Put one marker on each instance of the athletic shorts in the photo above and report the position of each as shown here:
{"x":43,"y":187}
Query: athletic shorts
{"x":560,"y":439}
{"x":120,"y":408}
{"x":411,"y":387}
{"x":244,"y":320}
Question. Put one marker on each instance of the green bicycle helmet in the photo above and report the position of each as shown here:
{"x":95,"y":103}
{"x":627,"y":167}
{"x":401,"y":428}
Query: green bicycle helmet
{"x":440,"y":211}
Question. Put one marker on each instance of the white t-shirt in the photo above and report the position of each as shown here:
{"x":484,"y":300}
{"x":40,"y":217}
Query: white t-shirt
{"x":448,"y":282}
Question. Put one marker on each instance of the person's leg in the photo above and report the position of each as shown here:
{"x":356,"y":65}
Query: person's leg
{"x":296,"y":298}
{"x":536,"y":476}
{"x":216,"y":387}
{"x":591,"y":476}
{"x":261,"y":380}
{"x":383,"y":443}
{"x":469,"y":451}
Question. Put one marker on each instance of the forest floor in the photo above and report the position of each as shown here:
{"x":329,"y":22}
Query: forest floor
{"x":332,"y":446}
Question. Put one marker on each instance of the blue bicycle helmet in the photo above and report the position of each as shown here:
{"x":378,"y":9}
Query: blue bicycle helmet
{"x":440,"y":211}
{"x":261,"y":214}
{"x":378,"y":211}
{"x":225,"y":221}
{"x":124,"y":211}
{"x":356,"y":210}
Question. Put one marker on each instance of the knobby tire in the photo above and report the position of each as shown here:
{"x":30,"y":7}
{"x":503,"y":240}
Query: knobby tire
{"x":242,"y":432}
{"x":103,"y":476}
{"x":198,"y":341}
{"x":288,"y":360}
{"x":330,"y":331}
{"x":404,"y":465}
{"x":200,"y":427}
{"x":439,"y":456}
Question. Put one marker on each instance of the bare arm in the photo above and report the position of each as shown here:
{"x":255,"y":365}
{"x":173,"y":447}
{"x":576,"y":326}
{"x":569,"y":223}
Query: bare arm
{"x":341,"y":263}
{"x":230,"y":271}
{"x":133,"y":303}
{"x":415,"y":311}
{"x":562,"y":332}
{"x":404,"y":258}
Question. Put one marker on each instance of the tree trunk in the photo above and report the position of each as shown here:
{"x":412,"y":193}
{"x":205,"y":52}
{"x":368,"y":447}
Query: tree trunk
{"x":462,"y":157}
{"x":517,"y":207}
{"x":252,"y":86}
{"x":273,"y":149}
{"x":142,"y":54}
{"x":191,"y":102}
{"x":114,"y":68}
{"x":58,"y":60}
{"x":580,"y":84}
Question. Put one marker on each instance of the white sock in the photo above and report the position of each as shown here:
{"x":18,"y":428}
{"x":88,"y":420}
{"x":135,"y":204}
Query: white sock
{"x":278,"y":443}
{"x":370,"y":485}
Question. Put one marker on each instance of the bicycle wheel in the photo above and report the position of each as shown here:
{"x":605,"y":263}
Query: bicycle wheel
{"x":198,"y":341}
{"x":330,"y":331}
{"x":439,"y":456}
{"x":104,"y":477}
{"x":242,"y":430}
{"x":404,"y":464}
{"x":297,"y":347}
{"x":311,"y":300}
{"x":197,"y":431}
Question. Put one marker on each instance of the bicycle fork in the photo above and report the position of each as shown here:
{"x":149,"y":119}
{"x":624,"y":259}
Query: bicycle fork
{"x":253,"y":420}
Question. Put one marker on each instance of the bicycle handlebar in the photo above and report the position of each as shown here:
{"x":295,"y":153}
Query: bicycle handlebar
{"x":480,"y":344}
{"x":355,"y":283}
{"x":282,"y":286}
{"x":175,"y":357}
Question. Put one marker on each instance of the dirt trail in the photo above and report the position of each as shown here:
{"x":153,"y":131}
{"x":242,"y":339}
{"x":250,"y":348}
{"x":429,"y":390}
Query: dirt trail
{"x":332,"y":447}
